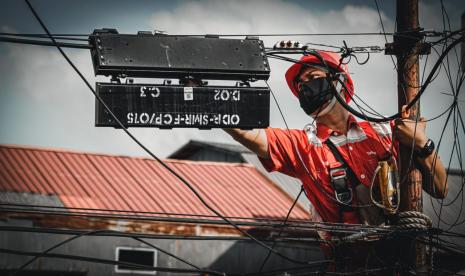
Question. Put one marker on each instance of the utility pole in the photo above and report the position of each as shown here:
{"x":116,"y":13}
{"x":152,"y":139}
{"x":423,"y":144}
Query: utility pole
{"x":463,"y":44}
{"x":407,"y":48}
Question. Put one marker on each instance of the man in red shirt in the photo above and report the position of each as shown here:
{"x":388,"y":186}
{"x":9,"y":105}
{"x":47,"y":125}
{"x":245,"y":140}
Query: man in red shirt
{"x":306,"y":154}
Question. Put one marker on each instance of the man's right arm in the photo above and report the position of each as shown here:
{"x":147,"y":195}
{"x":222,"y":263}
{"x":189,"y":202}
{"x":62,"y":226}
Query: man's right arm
{"x":254,"y":139}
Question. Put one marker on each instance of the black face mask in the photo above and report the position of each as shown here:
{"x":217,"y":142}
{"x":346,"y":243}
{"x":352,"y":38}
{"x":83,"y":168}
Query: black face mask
{"x":313,"y":94}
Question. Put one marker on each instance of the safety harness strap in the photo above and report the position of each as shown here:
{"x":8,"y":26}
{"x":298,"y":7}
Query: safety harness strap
{"x":340,"y":179}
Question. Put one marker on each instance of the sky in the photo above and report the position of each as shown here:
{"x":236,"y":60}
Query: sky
{"x":44,"y":103}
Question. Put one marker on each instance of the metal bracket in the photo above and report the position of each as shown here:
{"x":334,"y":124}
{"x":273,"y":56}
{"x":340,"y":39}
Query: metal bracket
{"x":411,"y":39}
{"x":421,"y":48}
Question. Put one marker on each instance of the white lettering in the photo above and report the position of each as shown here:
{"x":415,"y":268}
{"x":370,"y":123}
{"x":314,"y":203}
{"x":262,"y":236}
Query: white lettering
{"x":236,"y":95}
{"x":154,"y":91}
{"x":130,"y":118}
{"x":177,"y":119}
{"x":226,"y":119}
{"x":157,"y":92}
{"x":235,"y":119}
{"x":144,"y":118}
{"x":142,"y":92}
{"x":224,"y":95}
{"x":158,"y":120}
{"x":167,"y":119}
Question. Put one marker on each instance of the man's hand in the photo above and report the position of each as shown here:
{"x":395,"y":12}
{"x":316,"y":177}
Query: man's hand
{"x":255,"y":140}
{"x":409,"y":132}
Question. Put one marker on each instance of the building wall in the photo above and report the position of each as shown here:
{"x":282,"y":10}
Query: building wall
{"x":215,"y":156}
{"x":227,"y":256}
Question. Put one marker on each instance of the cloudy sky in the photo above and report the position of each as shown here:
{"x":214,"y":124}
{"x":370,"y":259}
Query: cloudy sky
{"x":44,"y":103}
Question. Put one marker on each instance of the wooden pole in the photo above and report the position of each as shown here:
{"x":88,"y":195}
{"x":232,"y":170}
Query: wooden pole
{"x":408,"y":82}
{"x":463,"y":44}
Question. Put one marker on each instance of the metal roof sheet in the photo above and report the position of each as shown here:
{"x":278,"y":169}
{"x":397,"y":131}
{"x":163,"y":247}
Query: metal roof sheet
{"x":288,"y":184}
{"x":86,"y":180}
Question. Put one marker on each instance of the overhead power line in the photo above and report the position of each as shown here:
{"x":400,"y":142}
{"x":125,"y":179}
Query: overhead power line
{"x":106,"y":261}
{"x":173,"y":172}
{"x":44,"y":43}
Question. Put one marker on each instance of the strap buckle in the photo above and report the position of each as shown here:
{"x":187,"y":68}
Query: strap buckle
{"x":337,"y":173}
{"x":344,"y":197}
{"x":342,"y":192}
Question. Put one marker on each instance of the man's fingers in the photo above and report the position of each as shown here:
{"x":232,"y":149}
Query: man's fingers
{"x":397,"y":122}
{"x":405,"y":113}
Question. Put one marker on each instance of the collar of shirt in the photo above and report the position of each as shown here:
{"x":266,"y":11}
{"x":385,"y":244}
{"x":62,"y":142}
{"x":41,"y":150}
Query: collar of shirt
{"x":323,"y":131}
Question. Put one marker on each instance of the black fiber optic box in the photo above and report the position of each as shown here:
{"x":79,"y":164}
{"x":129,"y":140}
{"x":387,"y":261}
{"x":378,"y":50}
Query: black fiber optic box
{"x":173,"y":106}
{"x":148,"y":55}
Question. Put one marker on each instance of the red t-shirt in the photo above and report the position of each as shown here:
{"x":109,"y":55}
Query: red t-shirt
{"x":363,"y":146}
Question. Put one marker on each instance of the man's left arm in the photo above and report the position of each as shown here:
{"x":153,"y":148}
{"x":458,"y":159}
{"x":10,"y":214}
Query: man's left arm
{"x":409,"y":132}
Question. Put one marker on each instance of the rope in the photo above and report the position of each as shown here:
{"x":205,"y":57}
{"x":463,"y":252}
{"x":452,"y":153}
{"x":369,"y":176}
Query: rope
{"x":413,"y":221}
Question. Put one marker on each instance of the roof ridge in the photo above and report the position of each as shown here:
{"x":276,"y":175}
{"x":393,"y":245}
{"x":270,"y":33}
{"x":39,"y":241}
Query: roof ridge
{"x":63,"y":150}
{"x":51,"y":149}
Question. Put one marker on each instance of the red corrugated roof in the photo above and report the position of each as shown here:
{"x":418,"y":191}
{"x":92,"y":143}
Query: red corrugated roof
{"x":87,"y":180}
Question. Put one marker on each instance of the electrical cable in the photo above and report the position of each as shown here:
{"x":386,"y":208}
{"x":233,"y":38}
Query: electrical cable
{"x":384,"y":32}
{"x":330,"y":227}
{"x":382,"y":119}
{"x":106,"y":261}
{"x":137,"y":213}
{"x":364,"y":116}
{"x":45,"y":36}
{"x":122,"y":234}
{"x":57,"y":45}
{"x":323,"y":66}
{"x":147,"y":150}
{"x":282,"y":229}
{"x":44,"y":43}
{"x":456,"y":144}
{"x":91,"y":233}
{"x":412,"y":102}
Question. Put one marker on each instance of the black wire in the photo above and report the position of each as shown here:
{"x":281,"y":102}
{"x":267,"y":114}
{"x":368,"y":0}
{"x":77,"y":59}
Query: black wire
{"x":63,"y":53}
{"x":382,"y":119}
{"x":45,"y":36}
{"x":105,"y":261}
{"x":284,"y":34}
{"x":282,"y":229}
{"x":412,"y":102}
{"x":91,"y":233}
{"x":326,"y":226}
{"x":309,"y":225}
{"x":121,"y":234}
{"x":23,"y":266}
{"x":326,"y":68}
{"x":287,"y":34}
{"x":449,"y":36}
{"x":456,"y":144}
{"x":384,"y":32}
{"x":44,"y":43}
{"x":184,"y":181}
{"x":139,"y":213}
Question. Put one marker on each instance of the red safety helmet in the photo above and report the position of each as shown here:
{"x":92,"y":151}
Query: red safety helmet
{"x":331,"y":59}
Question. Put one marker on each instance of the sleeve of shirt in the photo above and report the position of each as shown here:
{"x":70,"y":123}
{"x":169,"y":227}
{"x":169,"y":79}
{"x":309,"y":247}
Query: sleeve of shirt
{"x":284,"y":147}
